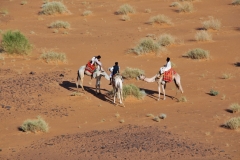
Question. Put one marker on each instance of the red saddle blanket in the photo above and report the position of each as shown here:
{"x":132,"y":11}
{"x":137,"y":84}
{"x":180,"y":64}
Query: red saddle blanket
{"x":167,"y":76}
{"x":90,"y":68}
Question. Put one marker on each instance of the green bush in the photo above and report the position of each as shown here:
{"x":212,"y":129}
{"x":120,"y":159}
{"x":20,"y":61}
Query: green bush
{"x":198,"y":53}
{"x":59,"y":24}
{"x":15,"y":42}
{"x":236,"y":2}
{"x":166,"y":39}
{"x":131,"y":73}
{"x":125,"y":9}
{"x":213,"y":92}
{"x":51,"y":56}
{"x":146,"y":45}
{"x":132,"y":90}
{"x":160,"y":19}
{"x":35,"y":125}
{"x":53,"y":7}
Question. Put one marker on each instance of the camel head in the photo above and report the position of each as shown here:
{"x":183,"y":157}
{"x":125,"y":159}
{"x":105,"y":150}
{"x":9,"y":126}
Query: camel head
{"x":141,"y":77}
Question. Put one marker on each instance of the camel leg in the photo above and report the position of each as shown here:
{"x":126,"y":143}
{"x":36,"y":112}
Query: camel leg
{"x":163,"y":92}
{"x":159,"y":91}
{"x":114,"y":95}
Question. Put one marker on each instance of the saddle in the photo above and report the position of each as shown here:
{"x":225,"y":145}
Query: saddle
{"x":167,"y":76}
{"x":90,"y":68}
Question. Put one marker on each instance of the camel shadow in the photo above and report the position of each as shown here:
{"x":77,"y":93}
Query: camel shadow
{"x":150,"y":93}
{"x":72,"y":87}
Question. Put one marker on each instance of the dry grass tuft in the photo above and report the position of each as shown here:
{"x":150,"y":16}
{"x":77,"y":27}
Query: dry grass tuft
{"x":212,"y":23}
{"x":24,"y":2}
{"x":160,"y":19}
{"x":233,"y":123}
{"x":148,"y":10}
{"x":76,"y":94}
{"x":182,"y":99}
{"x":213,"y":92}
{"x":203,"y":36}
{"x":185,"y":7}
{"x":132,"y":90}
{"x":236,"y":2}
{"x":175,"y":4}
{"x":126,"y":9}
{"x":226,"y":75}
{"x":35,"y":125}
{"x":235,"y":107}
{"x":150,"y":115}
{"x":53,"y":7}
{"x":162,"y":116}
{"x":131,"y":73}
{"x":59,"y":24}
{"x":166,"y":39}
{"x":146,"y":45}
{"x":157,"y":119}
{"x":51,"y":56}
{"x":4,"y":11}
{"x":198,"y":53}
{"x":87,"y":13}
{"x":125,"y":18}
{"x":122,"y":121}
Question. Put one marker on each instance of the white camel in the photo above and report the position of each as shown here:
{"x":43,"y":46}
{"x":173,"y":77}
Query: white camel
{"x":159,"y":79}
{"x":97,"y":74}
{"x":117,"y":89}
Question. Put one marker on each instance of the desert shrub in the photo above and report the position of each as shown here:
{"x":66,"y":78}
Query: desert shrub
{"x":198,"y":53}
{"x":146,"y":45}
{"x":23,"y":2}
{"x":182,"y":99}
{"x":166,"y":39}
{"x":162,"y":116}
{"x":122,"y":121}
{"x":213,"y":92}
{"x":157,"y":119}
{"x":51,"y":56}
{"x":15,"y":42}
{"x":35,"y":125}
{"x":203,"y":36}
{"x":148,"y":10}
{"x":2,"y":57}
{"x":235,"y":107}
{"x":87,"y":13}
{"x":125,"y":9}
{"x":149,"y":115}
{"x":160,"y":19}
{"x":125,"y":18}
{"x":174,"y":4}
{"x":185,"y":7}
{"x":53,"y":7}
{"x":132,"y":90}
{"x":233,"y":123}
{"x":4,"y":11}
{"x":76,"y":94}
{"x":212,"y":23}
{"x":59,"y":24}
{"x":131,"y":73}
{"x":236,"y":2}
{"x":226,"y":75}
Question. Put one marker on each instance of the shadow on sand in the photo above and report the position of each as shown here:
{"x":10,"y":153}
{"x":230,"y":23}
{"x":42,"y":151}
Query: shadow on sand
{"x":71,"y":86}
{"x":150,"y":93}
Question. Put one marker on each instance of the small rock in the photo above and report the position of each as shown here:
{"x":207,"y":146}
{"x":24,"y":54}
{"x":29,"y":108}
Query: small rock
{"x":32,"y":73}
{"x":61,"y":75}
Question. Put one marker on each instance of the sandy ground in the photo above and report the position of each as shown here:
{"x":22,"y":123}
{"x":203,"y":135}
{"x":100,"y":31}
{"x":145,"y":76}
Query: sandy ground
{"x":85,"y":126}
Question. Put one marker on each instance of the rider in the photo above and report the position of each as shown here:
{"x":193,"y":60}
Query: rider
{"x":166,"y":67}
{"x":114,"y":70}
{"x":96,"y":59}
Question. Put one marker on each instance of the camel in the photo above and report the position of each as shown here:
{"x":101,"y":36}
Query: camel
{"x":159,"y":79}
{"x":117,"y":88}
{"x":97,"y":74}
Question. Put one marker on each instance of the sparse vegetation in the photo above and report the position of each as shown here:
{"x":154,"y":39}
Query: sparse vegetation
{"x":59,"y":24}
{"x":226,"y":75}
{"x":163,"y":116}
{"x":76,"y":94}
{"x":117,"y":115}
{"x":87,"y":13}
{"x":146,"y":45}
{"x":125,"y":18}
{"x":35,"y":125}
{"x":160,"y":19}
{"x":15,"y":42}
{"x":182,"y":99}
{"x":2,"y":57}
{"x":166,"y":39}
{"x":149,"y":115}
{"x":53,"y":7}
{"x":23,"y":2}
{"x":148,"y":10}
{"x":131,"y":73}
{"x":213,"y":92}
{"x":4,"y":11}
{"x":235,"y":107}
{"x":132,"y":90}
{"x":212,"y":23}
{"x":236,"y":2}
{"x":174,"y":4}
{"x":55,"y":31}
{"x":203,"y":36}
{"x":233,"y":123}
{"x":198,"y":53}
{"x":157,"y":119}
{"x":185,"y":7}
{"x":126,"y":9}
{"x":122,"y":121}
{"x":223,"y":97}
{"x":51,"y":56}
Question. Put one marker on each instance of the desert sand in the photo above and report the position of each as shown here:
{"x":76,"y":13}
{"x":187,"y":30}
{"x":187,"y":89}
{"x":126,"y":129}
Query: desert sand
{"x":85,"y":126}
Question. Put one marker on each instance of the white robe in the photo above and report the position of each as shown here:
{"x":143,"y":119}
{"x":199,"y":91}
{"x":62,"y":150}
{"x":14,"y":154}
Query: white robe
{"x":165,"y":67}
